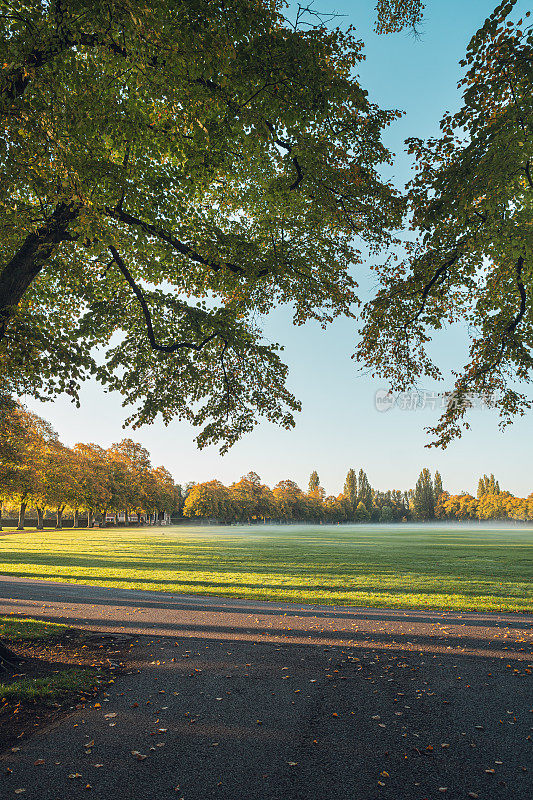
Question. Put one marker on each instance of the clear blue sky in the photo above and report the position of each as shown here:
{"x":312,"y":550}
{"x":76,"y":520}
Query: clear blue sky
{"x":339,"y":426}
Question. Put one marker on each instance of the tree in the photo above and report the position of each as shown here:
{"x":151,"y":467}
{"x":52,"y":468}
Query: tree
{"x":364,"y":490}
{"x":162,"y":493}
{"x":350,"y":490}
{"x":314,"y":483}
{"x":13,"y":446}
{"x":31,"y":441}
{"x":487,"y":485}
{"x":423,"y":497}
{"x":251,"y":499}
{"x":361,"y":512}
{"x":93,"y":485}
{"x":210,"y":499}
{"x":289,"y":501}
{"x":169,"y":174}
{"x":132,"y":478}
{"x":437,"y":486}
{"x":471,"y":202}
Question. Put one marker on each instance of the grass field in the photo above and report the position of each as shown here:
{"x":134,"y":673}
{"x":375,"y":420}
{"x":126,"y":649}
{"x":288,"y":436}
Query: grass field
{"x":403,"y":566}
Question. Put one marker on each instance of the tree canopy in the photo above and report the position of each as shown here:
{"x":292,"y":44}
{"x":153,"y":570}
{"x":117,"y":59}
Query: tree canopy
{"x":471,"y":261}
{"x":170,"y":173}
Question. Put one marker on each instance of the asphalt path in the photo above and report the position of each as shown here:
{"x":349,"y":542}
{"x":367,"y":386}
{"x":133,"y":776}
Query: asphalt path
{"x":240,"y":699}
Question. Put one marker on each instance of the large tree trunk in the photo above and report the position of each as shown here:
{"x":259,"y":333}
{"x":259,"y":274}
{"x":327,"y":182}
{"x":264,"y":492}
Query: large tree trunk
{"x":22,"y":516}
{"x":1,"y":511}
{"x":40,"y":518}
{"x":76,"y":523}
{"x":19,"y":273}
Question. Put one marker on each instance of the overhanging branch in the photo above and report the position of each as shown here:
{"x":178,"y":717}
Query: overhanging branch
{"x":160,"y":233}
{"x":161,"y":348}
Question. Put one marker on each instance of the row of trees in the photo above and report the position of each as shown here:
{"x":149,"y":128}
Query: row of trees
{"x":40,"y":473}
{"x":250,"y":500}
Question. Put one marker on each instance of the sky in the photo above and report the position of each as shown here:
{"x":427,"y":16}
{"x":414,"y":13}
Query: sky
{"x":340,"y":426}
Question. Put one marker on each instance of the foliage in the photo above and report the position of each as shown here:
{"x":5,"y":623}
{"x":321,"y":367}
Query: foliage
{"x":487,"y":485}
{"x":350,"y":488}
{"x":395,"y":15}
{"x":424,"y":497}
{"x":37,"y":469}
{"x":472,"y":261}
{"x":170,"y":172}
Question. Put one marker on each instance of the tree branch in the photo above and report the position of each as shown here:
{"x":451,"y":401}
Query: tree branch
{"x":18,"y":274}
{"x":162,"y":348}
{"x":160,"y":233}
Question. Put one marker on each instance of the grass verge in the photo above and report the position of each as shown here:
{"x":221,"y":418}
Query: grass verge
{"x":28,"y":629}
{"x":51,"y":688}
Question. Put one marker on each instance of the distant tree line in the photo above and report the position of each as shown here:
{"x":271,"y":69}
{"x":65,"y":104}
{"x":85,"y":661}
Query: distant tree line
{"x":250,"y":500}
{"x":39,"y":474}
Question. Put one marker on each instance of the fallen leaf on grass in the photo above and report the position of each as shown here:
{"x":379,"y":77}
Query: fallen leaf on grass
{"x":38,"y":762}
{"x":75,"y":775}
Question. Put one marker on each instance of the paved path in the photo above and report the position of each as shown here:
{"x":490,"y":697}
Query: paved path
{"x":242,"y":700}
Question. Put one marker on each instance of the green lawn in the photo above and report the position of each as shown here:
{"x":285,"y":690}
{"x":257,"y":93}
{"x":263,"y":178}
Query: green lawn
{"x":51,"y":688}
{"x":407,"y":566}
{"x":28,"y":629}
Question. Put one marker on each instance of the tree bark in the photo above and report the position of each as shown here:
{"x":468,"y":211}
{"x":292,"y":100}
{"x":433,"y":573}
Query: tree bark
{"x":19,"y":273}
{"x":89,"y":519}
{"x":22,"y":516}
{"x":1,"y":512}
{"x":40,"y":517}
{"x":76,"y":522}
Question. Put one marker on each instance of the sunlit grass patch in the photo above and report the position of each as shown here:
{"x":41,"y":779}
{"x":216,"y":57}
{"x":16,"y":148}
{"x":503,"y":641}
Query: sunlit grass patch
{"x":28,"y":629}
{"x":402,"y":566}
{"x":50,"y":688}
